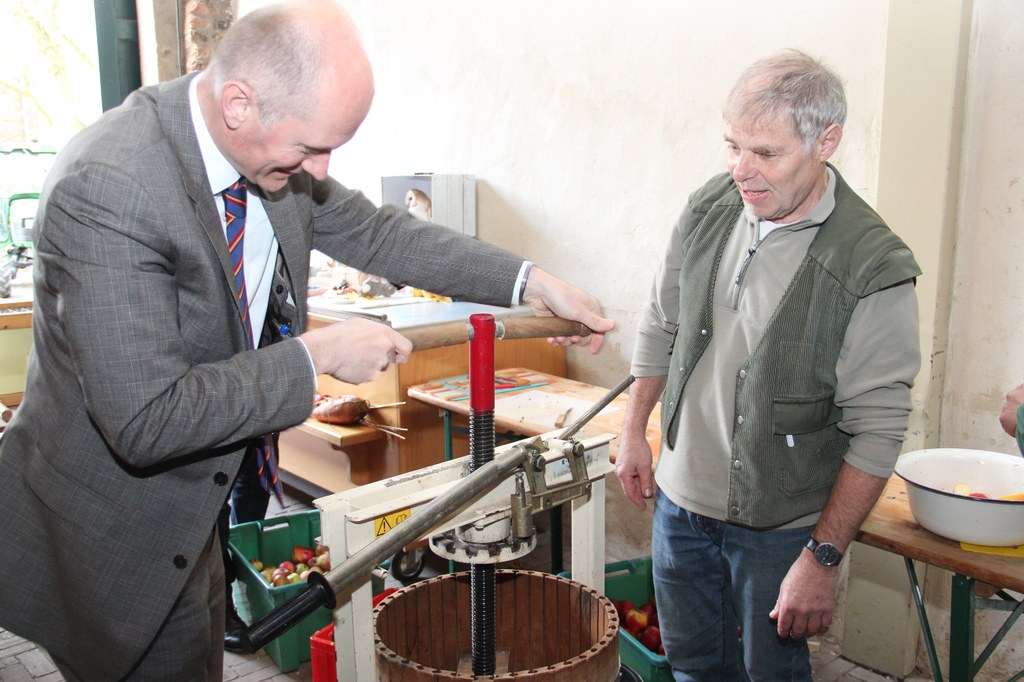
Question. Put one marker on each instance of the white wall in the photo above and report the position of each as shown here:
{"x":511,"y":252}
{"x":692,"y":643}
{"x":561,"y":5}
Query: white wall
{"x":986,"y":338}
{"x":987,"y":280}
{"x":588,"y":123}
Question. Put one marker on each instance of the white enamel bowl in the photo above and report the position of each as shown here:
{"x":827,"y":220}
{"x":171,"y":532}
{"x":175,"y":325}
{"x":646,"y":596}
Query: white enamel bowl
{"x":931,"y":476}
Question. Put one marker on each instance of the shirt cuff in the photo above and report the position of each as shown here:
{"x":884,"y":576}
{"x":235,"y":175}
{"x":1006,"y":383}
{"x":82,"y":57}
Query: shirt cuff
{"x":312,"y":367}
{"x":520,"y":288}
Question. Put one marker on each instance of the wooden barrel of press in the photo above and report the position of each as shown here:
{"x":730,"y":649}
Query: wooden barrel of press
{"x":553,"y":629}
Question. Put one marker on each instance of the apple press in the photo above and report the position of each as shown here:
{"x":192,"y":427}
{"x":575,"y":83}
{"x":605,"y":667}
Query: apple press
{"x":477,"y":510}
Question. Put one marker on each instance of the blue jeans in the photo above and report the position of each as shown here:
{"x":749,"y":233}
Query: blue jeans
{"x":710,"y":579}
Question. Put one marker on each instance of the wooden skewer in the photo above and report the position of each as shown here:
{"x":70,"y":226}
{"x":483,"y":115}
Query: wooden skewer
{"x":377,"y":407}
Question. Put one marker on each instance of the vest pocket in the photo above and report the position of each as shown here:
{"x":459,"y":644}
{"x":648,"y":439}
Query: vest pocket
{"x":807,"y":443}
{"x":793,"y":416}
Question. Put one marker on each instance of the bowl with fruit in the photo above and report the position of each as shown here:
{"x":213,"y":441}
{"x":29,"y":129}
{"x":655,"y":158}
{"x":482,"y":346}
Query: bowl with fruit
{"x":972,"y":496}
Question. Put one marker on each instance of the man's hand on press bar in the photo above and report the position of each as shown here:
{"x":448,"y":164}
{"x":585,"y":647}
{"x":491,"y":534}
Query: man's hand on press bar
{"x":547,"y":295}
{"x":356,"y":349}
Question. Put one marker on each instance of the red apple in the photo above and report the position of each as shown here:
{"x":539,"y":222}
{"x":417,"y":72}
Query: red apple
{"x":320,"y":549}
{"x":301,"y":555}
{"x":623,"y":606}
{"x":279,"y":580}
{"x":652,"y":613}
{"x":636,"y":621}
{"x":256,"y":564}
{"x":268,"y":574}
{"x":651,"y":638}
{"x":287,"y":565}
{"x":323,"y":562}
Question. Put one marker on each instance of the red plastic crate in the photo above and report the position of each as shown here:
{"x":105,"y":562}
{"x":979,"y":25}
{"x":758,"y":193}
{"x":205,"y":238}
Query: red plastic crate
{"x":321,"y":650}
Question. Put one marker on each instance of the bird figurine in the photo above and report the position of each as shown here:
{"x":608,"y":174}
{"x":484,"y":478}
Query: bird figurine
{"x":419,"y":204}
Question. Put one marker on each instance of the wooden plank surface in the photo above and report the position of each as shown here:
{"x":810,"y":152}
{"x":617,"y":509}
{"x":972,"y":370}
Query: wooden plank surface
{"x":16,"y":310}
{"x":891,"y":526}
{"x":340,"y":436}
{"x":533,"y":410}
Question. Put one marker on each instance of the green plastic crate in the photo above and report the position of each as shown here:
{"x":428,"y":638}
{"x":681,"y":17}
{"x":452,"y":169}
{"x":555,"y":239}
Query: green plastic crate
{"x":633,"y":580}
{"x":272,"y":540}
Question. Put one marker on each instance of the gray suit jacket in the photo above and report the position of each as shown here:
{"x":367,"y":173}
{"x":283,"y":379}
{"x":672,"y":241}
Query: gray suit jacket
{"x":141,"y":393}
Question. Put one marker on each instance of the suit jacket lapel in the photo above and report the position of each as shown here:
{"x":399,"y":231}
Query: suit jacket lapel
{"x":294,"y":245}
{"x":176,"y":119}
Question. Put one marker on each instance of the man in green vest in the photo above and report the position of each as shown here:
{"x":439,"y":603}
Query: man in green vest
{"x":782,"y":340}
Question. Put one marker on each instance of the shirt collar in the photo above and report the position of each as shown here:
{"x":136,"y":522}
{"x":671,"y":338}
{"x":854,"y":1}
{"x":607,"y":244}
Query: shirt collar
{"x":219,"y":171}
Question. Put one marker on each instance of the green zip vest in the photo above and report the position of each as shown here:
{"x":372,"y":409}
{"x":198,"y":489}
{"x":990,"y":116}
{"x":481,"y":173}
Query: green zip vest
{"x":787,"y":385}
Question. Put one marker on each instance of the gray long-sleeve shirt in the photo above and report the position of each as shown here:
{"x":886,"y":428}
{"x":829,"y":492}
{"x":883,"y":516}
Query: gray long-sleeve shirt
{"x":876,"y":368}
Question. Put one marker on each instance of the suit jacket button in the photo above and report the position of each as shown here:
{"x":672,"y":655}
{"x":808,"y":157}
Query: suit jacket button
{"x":180,"y":561}
{"x":220,"y":478}
{"x":280,"y":289}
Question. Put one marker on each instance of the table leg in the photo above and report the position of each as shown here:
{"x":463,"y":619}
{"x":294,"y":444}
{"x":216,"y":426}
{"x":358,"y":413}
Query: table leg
{"x":447,"y":417}
{"x":926,"y":629}
{"x":961,"y":629}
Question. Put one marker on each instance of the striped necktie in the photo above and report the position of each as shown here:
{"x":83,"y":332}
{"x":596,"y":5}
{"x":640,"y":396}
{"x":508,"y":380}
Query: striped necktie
{"x":234,"y":220}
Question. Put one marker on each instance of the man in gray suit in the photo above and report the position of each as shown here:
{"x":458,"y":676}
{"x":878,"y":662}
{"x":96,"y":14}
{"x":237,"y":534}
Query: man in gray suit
{"x":144,"y":387}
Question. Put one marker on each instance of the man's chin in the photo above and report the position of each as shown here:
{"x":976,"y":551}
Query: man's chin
{"x":275,"y":182}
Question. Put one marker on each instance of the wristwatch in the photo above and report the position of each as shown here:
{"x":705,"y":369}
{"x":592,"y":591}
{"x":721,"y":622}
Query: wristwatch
{"x":824,"y":552}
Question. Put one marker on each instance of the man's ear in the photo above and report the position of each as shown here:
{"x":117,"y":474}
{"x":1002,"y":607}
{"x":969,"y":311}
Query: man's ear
{"x":237,"y":104}
{"x":830,"y":140}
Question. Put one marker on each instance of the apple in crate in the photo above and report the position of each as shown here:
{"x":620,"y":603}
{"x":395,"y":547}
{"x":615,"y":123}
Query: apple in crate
{"x":652,"y":613}
{"x":623,"y":606}
{"x":636,"y":621}
{"x":651,"y":638}
{"x":301,"y":555}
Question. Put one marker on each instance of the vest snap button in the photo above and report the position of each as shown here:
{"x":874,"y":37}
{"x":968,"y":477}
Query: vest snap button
{"x":739,"y":419}
{"x":743,"y":374}
{"x":736,"y":464}
{"x":734,"y":510}
{"x":703,"y":332}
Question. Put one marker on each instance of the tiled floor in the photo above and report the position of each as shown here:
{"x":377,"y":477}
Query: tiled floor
{"x":21,"y":661}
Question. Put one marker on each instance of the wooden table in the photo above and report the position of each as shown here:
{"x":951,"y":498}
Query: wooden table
{"x":533,"y":406}
{"x":16,"y":319}
{"x":891,"y":526}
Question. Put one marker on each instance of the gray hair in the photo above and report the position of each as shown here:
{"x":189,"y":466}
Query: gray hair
{"x":789,"y":83}
{"x":272,"y":51}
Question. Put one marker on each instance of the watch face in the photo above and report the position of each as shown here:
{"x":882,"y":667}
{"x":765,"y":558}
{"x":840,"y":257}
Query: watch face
{"x":827,"y":555}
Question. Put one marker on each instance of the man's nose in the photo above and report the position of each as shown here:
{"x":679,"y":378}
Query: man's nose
{"x":742,"y":166}
{"x":316,"y":164}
